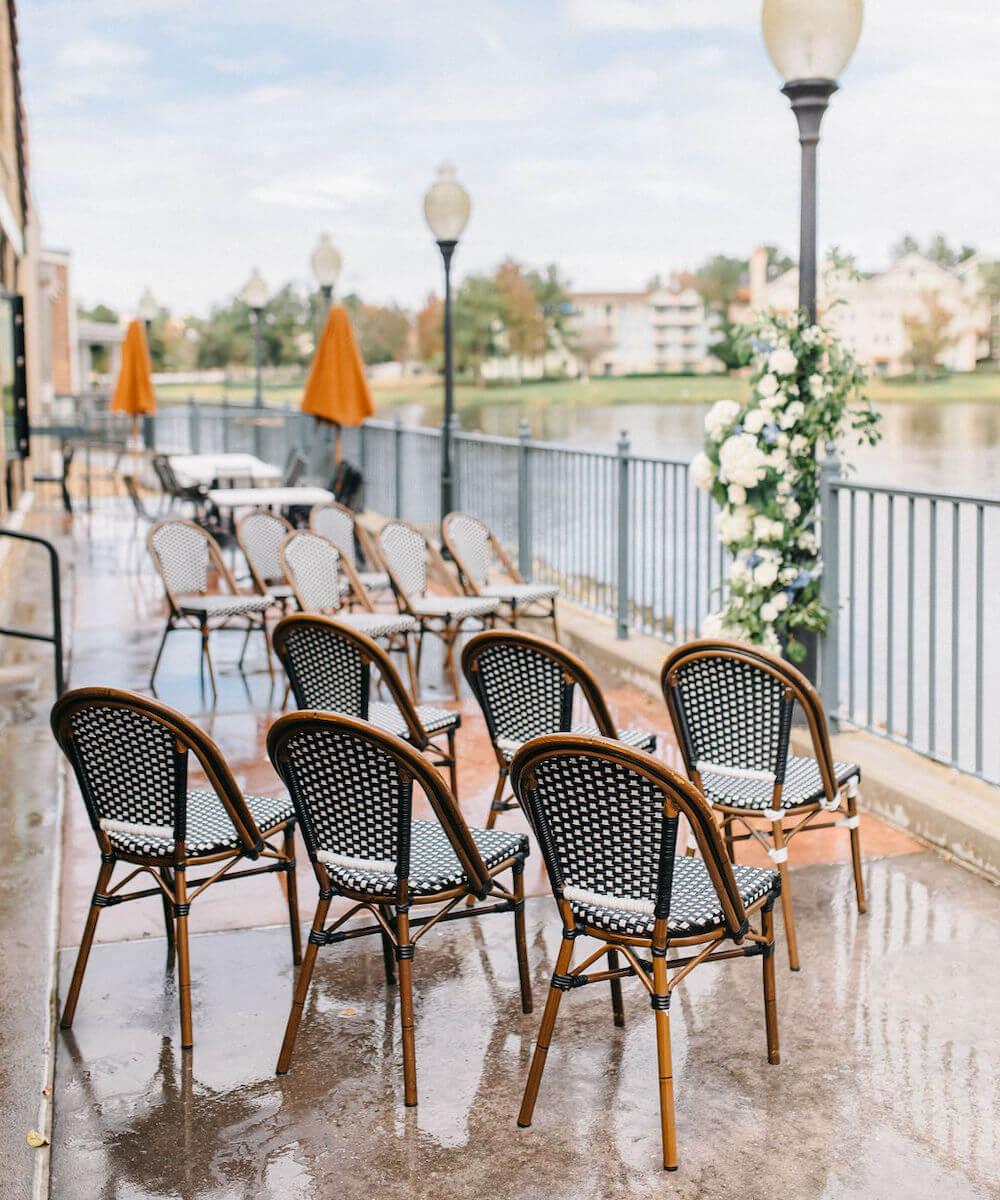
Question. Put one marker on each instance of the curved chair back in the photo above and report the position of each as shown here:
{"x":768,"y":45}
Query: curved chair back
{"x":526,"y":685}
{"x":606,"y":818}
{"x":294,"y":469}
{"x":474,"y":546}
{"x":260,"y":534}
{"x":130,"y":756}
{"x":183,"y":553}
{"x":352,"y":787}
{"x":731,"y":708}
{"x":336,"y":524}
{"x":404,"y":551}
{"x":314,"y":566}
{"x":330,"y":666}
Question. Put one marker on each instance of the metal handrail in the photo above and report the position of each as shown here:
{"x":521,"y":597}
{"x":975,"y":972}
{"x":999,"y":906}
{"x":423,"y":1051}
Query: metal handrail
{"x":55,"y":637}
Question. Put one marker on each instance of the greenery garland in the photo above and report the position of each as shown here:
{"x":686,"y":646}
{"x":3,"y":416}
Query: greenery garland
{"x":761,"y":463}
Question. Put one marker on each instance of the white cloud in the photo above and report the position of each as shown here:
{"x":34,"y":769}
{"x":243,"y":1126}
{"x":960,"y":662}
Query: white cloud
{"x":330,"y":194}
{"x":659,"y":16}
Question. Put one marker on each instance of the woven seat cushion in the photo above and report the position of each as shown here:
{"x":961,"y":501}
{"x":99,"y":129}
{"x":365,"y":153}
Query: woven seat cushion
{"x":694,"y":904}
{"x":433,"y":864}
{"x":209,"y":829}
{"x":389,"y":718}
{"x":521,"y":593}
{"x":803,"y":785}
{"x":641,"y":739}
{"x":224,"y":606}
{"x":453,"y":606}
{"x":374,"y":581}
{"x":375,"y":624}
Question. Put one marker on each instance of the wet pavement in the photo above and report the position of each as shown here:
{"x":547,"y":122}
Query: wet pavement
{"x":888,"y":1084}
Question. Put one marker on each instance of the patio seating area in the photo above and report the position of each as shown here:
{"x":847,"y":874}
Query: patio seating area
{"x":416,"y":1053}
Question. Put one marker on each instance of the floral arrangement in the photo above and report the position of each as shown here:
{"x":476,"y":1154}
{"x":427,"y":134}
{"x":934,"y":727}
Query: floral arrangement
{"x":761,"y":463}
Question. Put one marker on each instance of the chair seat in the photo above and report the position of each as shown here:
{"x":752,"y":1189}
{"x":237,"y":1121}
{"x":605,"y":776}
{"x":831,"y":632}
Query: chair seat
{"x":374,"y":581}
{"x":223,"y":606}
{"x":209,"y":829}
{"x":641,"y":739}
{"x":434,"y":720}
{"x":281,"y":591}
{"x":449,"y":607}
{"x":434,"y":866}
{"x":803,"y":785}
{"x":376,"y":624}
{"x":521,"y":593}
{"x":694,"y":904}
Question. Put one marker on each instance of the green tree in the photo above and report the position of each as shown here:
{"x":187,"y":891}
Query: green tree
{"x":907,"y":244}
{"x":477,"y":305}
{"x":382,"y":332}
{"x":928,"y":335}
{"x":719,"y":280}
{"x":430,"y":330}
{"x":552,"y":293}
{"x":733,"y":348}
{"x":100,"y":313}
{"x":778,"y":261}
{"x":524,"y":320}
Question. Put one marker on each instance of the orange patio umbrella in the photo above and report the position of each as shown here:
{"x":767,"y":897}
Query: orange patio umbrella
{"x":134,"y":390}
{"x":336,"y":390}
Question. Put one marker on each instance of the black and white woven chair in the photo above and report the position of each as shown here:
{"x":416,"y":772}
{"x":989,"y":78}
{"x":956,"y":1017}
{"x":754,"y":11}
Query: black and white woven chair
{"x":606,"y":818}
{"x":322,"y":577}
{"x":352,"y":786}
{"x":130,"y":755}
{"x":331,"y":668}
{"x":337,"y":524}
{"x":477,"y":551}
{"x":184,"y":554}
{"x":260,"y":534}
{"x":731,"y":707}
{"x":527,"y":686}
{"x":406,"y":552}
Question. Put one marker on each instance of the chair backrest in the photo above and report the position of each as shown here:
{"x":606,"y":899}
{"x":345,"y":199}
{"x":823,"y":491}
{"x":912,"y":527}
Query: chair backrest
{"x":606,"y":818}
{"x":260,"y":534}
{"x":329,"y":667}
{"x":336,"y":523}
{"x":404,"y":551}
{"x":731,"y":707}
{"x":314,"y":566}
{"x":526,"y":685}
{"x":68,"y":450}
{"x":352,"y":787}
{"x":295,"y":466}
{"x":468,"y":539}
{"x":182,"y":553}
{"x":164,"y":473}
{"x":130,"y":755}
{"x":132,"y":491}
{"x":347,"y":484}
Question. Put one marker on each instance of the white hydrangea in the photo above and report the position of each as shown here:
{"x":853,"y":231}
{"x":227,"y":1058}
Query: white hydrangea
{"x":736,"y":494}
{"x":755,"y":420}
{"x":807,"y":540}
{"x":782,"y":362}
{"x":780,"y":601}
{"x":768,"y":612}
{"x":713,"y":625}
{"x":817,"y":385}
{"x":792,"y":413}
{"x":733,"y":524}
{"x":766,"y":530}
{"x":702,"y":472}
{"x":720,"y":418}
{"x":739,"y":572}
{"x":769,"y":641}
{"x":742,"y":461}
{"x":789,"y":574}
{"x":765,"y":573}
{"x":798,"y":446}
{"x":791,"y":510}
{"x":767,"y":386}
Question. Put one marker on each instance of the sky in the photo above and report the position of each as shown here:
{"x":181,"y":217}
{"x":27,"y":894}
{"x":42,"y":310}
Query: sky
{"x":178,"y":144}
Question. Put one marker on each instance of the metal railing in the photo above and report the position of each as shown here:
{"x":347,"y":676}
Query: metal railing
{"x":55,"y":637}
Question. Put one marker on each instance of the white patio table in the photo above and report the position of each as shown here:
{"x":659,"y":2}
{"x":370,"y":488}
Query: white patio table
{"x":207,"y":469}
{"x":269,"y":497}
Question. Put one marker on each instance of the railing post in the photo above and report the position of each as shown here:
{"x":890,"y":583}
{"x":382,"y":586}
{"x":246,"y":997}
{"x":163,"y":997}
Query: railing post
{"x":397,"y":448}
{"x":524,"y":549}
{"x":623,"y":533}
{"x":456,"y":464}
{"x":225,"y":423}
{"x":829,"y":649}
{"x":88,"y":435}
{"x":194,"y":432}
{"x":363,"y":449}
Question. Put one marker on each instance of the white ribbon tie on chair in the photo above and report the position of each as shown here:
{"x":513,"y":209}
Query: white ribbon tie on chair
{"x":159,"y":833}
{"x":376,"y":866}
{"x":599,"y":900}
{"x":703,"y":765}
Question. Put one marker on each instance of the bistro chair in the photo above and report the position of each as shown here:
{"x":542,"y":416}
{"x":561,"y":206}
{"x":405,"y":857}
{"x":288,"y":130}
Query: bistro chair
{"x":294,"y":468}
{"x":260,"y":534}
{"x":173,"y":489}
{"x":330,"y":666}
{"x":338,"y":524}
{"x":60,"y":477}
{"x":606,"y":818}
{"x":526,"y":687}
{"x":131,"y":758}
{"x":321,"y":576}
{"x":731,"y":707}
{"x":184,"y":553}
{"x":476,"y":551}
{"x":405,"y":552}
{"x":352,"y":786}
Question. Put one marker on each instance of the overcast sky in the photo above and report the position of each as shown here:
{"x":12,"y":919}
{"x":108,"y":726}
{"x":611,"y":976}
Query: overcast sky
{"x":179,"y":143}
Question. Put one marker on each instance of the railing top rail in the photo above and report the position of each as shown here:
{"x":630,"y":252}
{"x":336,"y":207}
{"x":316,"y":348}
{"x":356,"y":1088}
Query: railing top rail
{"x":884,"y":489}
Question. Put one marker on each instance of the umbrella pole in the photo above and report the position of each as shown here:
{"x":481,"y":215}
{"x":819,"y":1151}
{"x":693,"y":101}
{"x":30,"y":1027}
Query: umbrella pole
{"x":338,"y":449}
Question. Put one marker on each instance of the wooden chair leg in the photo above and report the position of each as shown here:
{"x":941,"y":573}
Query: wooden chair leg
{"x":770,"y":996}
{"x":859,"y":883}
{"x":616,"y":991}
{"x":168,"y":917}
{"x":267,"y":646}
{"x":388,"y":949}
{"x":103,"y":878}
{"x":302,"y":989}
{"x":544,"y":1037}
{"x":246,"y":642}
{"x":727,"y":837}
{"x":555,"y":627}
{"x":520,"y":938}
{"x":206,"y":657}
{"x":292,"y":893}
{"x":183,"y":959}
{"x":661,"y":1013}
{"x":781,"y":859}
{"x":448,"y":638}
{"x":404,"y":962}
{"x":495,"y":809}
{"x":452,"y":764}
{"x":414,"y":686}
{"x":159,"y":652}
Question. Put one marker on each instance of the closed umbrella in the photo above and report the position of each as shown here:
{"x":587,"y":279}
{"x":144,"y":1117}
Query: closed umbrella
{"x":134,"y":390}
{"x":336,"y":390}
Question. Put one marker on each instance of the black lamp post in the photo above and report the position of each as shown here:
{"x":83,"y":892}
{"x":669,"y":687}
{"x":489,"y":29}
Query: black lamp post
{"x":326,"y":263}
{"x":255,"y":296}
{"x":446,"y":208}
{"x":148,"y":308}
{"x":810,"y":42}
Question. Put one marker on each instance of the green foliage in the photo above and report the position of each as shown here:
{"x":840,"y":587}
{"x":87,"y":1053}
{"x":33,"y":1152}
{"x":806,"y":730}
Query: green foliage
{"x":100,"y":313}
{"x":382,"y":332}
{"x":719,"y":280}
{"x":733,"y":349}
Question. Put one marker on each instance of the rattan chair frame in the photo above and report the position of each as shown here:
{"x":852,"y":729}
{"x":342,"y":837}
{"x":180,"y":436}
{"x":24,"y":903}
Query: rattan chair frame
{"x":363,"y":540}
{"x":399,"y":933}
{"x":772,"y":828}
{"x":472,"y":587}
{"x":447,"y":629}
{"x":179,"y":617}
{"x":261,"y":584}
{"x":575,"y":675}
{"x":175,"y":888}
{"x":659,"y":975}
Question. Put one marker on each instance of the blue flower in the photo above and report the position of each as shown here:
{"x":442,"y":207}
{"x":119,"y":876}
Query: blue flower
{"x":770,"y":433}
{"x":753,"y":560}
{"x":802,"y":580}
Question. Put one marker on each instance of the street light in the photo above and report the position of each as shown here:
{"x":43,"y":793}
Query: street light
{"x":255,"y":295}
{"x":446,"y":208}
{"x":810,"y":42}
{"x":325,"y":263}
{"x":148,"y":308}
